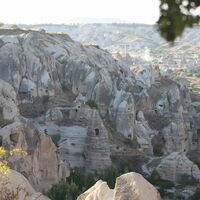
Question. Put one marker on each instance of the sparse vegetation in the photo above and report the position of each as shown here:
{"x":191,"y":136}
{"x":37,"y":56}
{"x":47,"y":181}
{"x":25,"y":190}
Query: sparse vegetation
{"x":197,"y":162}
{"x":196,"y":195}
{"x":45,"y":99}
{"x":79,"y":181}
{"x":188,"y":180}
{"x":62,"y":61}
{"x":92,"y":104}
{"x":4,"y":155}
{"x":163,"y":185}
{"x":157,"y":150}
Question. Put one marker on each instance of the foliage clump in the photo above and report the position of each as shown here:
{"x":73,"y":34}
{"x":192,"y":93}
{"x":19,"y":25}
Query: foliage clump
{"x":45,"y":99}
{"x":79,"y":181}
{"x":92,"y":104}
{"x":196,"y":195}
{"x":163,"y":185}
{"x":176,"y":16}
{"x":4,"y":155}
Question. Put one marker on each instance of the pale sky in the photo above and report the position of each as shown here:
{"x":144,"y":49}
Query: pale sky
{"x":61,"y":11}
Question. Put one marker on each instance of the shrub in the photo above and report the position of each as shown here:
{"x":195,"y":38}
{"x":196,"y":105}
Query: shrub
{"x":109,"y":175}
{"x":64,"y":87}
{"x":157,"y":150}
{"x":57,"y":191}
{"x":62,"y":61}
{"x":188,"y":180}
{"x":92,"y":104}
{"x":179,"y":187}
{"x":45,"y":99}
{"x":196,"y":195}
{"x":162,"y":184}
{"x":197,"y":162}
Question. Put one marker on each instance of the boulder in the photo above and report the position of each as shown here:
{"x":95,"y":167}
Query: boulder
{"x":176,"y":165}
{"x":42,"y":166}
{"x":16,"y":187}
{"x":100,"y":191}
{"x":8,"y":103}
{"x":130,"y":186}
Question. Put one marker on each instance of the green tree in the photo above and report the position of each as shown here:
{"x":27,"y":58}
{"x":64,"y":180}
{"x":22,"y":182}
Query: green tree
{"x":175,"y":16}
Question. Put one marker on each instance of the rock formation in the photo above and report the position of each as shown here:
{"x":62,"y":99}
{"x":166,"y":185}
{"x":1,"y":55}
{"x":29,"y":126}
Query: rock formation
{"x":16,"y":187}
{"x":131,"y":186}
{"x":93,"y":107}
{"x":42,"y":166}
{"x":100,"y":191}
{"x":175,"y":166}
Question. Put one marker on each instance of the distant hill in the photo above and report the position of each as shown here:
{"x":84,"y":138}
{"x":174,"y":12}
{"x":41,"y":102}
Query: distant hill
{"x":135,"y":39}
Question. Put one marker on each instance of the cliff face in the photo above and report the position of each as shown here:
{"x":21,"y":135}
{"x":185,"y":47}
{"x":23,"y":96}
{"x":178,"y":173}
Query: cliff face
{"x":92,"y":106}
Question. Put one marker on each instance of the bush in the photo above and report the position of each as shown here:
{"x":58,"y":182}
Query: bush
{"x":162,"y":184}
{"x":188,"y":180}
{"x":92,"y":104}
{"x":62,"y":61}
{"x":57,"y":191}
{"x":109,"y":175}
{"x":63,"y":191}
{"x":196,"y":195}
{"x":45,"y":99}
{"x":197,"y":162}
{"x":79,"y":181}
{"x":157,"y":150}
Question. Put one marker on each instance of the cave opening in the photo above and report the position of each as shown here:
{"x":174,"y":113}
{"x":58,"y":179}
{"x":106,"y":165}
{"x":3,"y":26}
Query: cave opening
{"x":97,"y":131}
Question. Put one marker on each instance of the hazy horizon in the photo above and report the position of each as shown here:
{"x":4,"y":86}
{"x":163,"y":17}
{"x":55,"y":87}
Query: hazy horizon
{"x":63,"y":12}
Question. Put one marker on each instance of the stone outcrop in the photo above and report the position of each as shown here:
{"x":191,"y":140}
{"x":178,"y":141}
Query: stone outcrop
{"x":16,"y":187}
{"x":8,"y":104}
{"x":131,"y":186}
{"x":97,"y":149}
{"x":41,"y":166}
{"x":175,"y":166}
{"x":100,"y":191}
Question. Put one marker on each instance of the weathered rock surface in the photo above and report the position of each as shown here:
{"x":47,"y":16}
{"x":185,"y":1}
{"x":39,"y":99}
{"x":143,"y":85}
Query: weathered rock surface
{"x":175,"y":166}
{"x":41,"y":166}
{"x":17,"y":187}
{"x":8,"y":104}
{"x":93,"y":107}
{"x":131,"y":186}
{"x":100,"y":191}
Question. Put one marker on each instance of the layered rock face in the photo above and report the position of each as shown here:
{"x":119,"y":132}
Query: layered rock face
{"x":42,"y":166}
{"x":175,"y":166}
{"x":17,"y":187}
{"x":131,"y":186}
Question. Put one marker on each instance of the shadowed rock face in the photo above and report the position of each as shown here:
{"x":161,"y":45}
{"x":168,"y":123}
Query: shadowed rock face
{"x":131,"y":186}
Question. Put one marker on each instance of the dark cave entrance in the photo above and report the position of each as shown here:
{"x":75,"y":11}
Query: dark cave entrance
{"x":96,"y":131}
